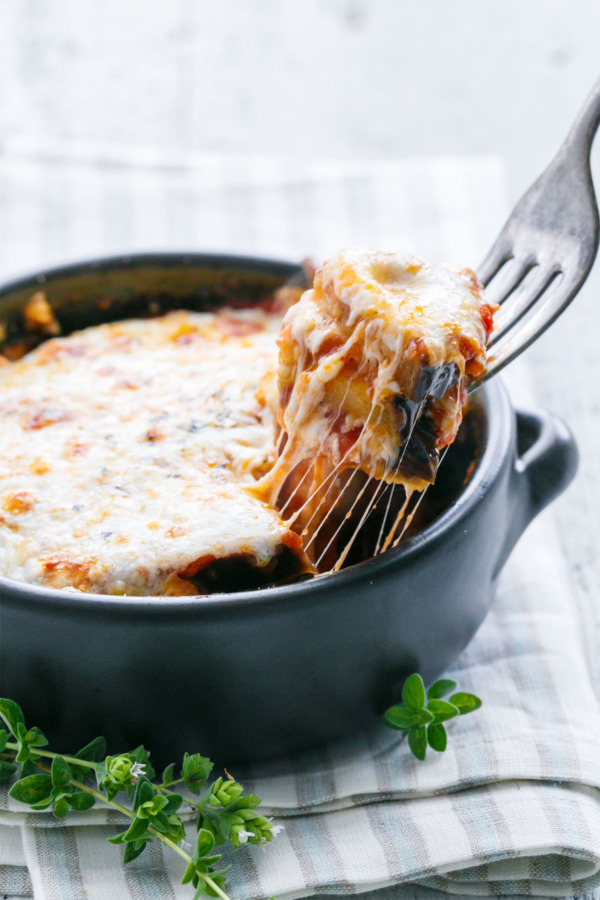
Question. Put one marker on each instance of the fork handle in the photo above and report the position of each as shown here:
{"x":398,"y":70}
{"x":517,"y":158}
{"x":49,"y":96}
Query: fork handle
{"x":580,"y":138}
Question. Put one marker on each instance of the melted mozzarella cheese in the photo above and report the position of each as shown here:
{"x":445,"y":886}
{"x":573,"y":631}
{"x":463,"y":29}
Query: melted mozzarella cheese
{"x":378,"y":332}
{"x":126,"y":449}
{"x":406,"y":298}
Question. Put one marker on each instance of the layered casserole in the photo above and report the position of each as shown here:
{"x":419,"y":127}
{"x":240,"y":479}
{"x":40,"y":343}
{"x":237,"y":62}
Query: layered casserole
{"x":158,"y":456}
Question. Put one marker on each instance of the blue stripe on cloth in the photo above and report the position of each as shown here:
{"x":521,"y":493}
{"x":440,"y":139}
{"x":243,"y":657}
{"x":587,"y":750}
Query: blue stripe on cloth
{"x":57,"y":854}
{"x":15,"y":880}
{"x":148,"y":879}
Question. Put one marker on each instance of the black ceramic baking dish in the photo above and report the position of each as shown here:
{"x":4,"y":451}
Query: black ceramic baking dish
{"x":260,"y":673}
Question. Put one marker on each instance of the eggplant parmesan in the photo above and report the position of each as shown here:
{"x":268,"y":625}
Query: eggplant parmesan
{"x":185,"y":453}
{"x":374,"y":363}
{"x":125,"y":450}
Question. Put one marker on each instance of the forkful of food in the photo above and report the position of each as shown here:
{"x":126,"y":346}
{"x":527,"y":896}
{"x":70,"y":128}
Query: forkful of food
{"x":376,"y":359}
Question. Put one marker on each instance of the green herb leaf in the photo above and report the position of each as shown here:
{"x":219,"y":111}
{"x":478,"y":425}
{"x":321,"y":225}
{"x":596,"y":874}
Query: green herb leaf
{"x":176,"y":828}
{"x":60,"y":772}
{"x":173,"y":803}
{"x":246,"y":801}
{"x":205,"y":842}
{"x":425,"y":717}
{"x":133,"y":850}
{"x":188,"y":874}
{"x":12,"y":714}
{"x":442,"y":710}
{"x":417,"y":741}
{"x":437,"y":737}
{"x":143,"y":793}
{"x":225,"y":824}
{"x":413,"y":692}
{"x":400,"y":717}
{"x":35,"y":737}
{"x":28,"y":768}
{"x":151,"y":808}
{"x":167,"y":776}
{"x":7,"y":769}
{"x":81,"y":801}
{"x":43,"y":804}
{"x":195,"y":771}
{"x":23,"y":754}
{"x":137,"y":829}
{"x":3,"y":738}
{"x":60,"y":808}
{"x":32,"y":789}
{"x":95,"y":751}
{"x":465,"y":703}
{"x":161,"y":822}
{"x":116,"y":838}
{"x":440,"y":688}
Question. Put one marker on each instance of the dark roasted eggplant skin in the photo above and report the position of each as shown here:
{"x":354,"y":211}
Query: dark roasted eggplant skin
{"x":418,"y":455}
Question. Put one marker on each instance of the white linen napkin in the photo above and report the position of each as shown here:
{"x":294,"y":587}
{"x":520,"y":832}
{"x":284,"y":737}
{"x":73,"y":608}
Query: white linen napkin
{"x":512,"y":807}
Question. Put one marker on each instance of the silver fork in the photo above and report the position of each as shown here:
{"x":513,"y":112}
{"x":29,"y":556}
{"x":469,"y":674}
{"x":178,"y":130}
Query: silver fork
{"x":547,"y":248}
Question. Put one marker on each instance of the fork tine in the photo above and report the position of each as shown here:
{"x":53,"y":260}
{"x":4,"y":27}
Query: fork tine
{"x":522,"y":298}
{"x":538,"y":318}
{"x":508,"y":278}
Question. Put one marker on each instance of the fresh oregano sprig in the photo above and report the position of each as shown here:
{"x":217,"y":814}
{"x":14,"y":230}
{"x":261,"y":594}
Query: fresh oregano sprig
{"x":422,"y":713}
{"x":225,"y":814}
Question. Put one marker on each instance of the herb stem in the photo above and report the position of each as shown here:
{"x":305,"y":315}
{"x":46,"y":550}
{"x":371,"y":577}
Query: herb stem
{"x":163,"y":788}
{"x":215,"y":887}
{"x":169,"y":784}
{"x":171,"y":844}
{"x":35,"y":752}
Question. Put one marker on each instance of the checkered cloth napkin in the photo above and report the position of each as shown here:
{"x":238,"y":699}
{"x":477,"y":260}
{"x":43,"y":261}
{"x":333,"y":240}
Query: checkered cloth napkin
{"x":512,"y":808}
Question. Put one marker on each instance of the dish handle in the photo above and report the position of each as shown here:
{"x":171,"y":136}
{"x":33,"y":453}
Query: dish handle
{"x":545,"y":464}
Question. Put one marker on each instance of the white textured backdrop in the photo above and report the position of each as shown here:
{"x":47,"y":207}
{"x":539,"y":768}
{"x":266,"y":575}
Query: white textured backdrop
{"x":326,"y":77}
